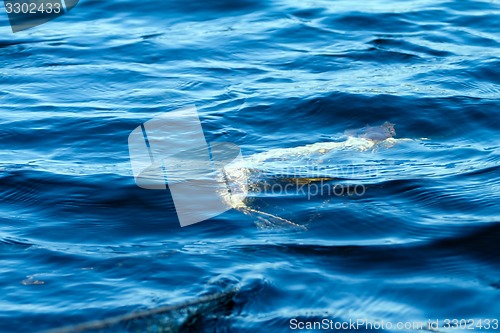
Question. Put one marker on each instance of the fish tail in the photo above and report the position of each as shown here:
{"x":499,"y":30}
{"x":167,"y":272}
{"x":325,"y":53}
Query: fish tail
{"x":270,"y":217}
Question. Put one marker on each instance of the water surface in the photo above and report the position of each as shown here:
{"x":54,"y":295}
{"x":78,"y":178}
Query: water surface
{"x":80,"y":241}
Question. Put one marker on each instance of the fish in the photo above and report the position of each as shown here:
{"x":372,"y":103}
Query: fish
{"x":294,"y":166}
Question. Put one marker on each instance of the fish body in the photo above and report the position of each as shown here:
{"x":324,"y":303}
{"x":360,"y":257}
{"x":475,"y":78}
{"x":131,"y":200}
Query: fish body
{"x":303,"y":164}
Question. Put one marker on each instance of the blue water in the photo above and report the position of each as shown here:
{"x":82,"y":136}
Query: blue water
{"x":80,"y":241}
